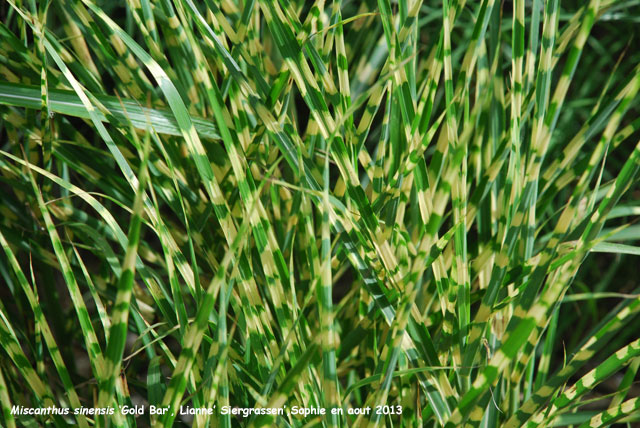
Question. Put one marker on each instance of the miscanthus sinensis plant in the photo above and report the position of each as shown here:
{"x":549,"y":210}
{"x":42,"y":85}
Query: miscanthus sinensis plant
{"x":425,"y":206}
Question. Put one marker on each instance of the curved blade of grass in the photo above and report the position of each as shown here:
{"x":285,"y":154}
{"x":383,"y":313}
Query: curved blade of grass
{"x":125,"y":111}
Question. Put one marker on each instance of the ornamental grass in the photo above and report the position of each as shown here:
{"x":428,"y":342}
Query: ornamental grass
{"x":297,"y":213}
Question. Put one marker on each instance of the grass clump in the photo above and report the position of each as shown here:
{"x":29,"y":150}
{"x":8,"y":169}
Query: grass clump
{"x":425,"y":209}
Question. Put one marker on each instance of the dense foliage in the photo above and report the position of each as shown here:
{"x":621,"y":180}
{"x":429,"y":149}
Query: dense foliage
{"x":425,"y":208}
